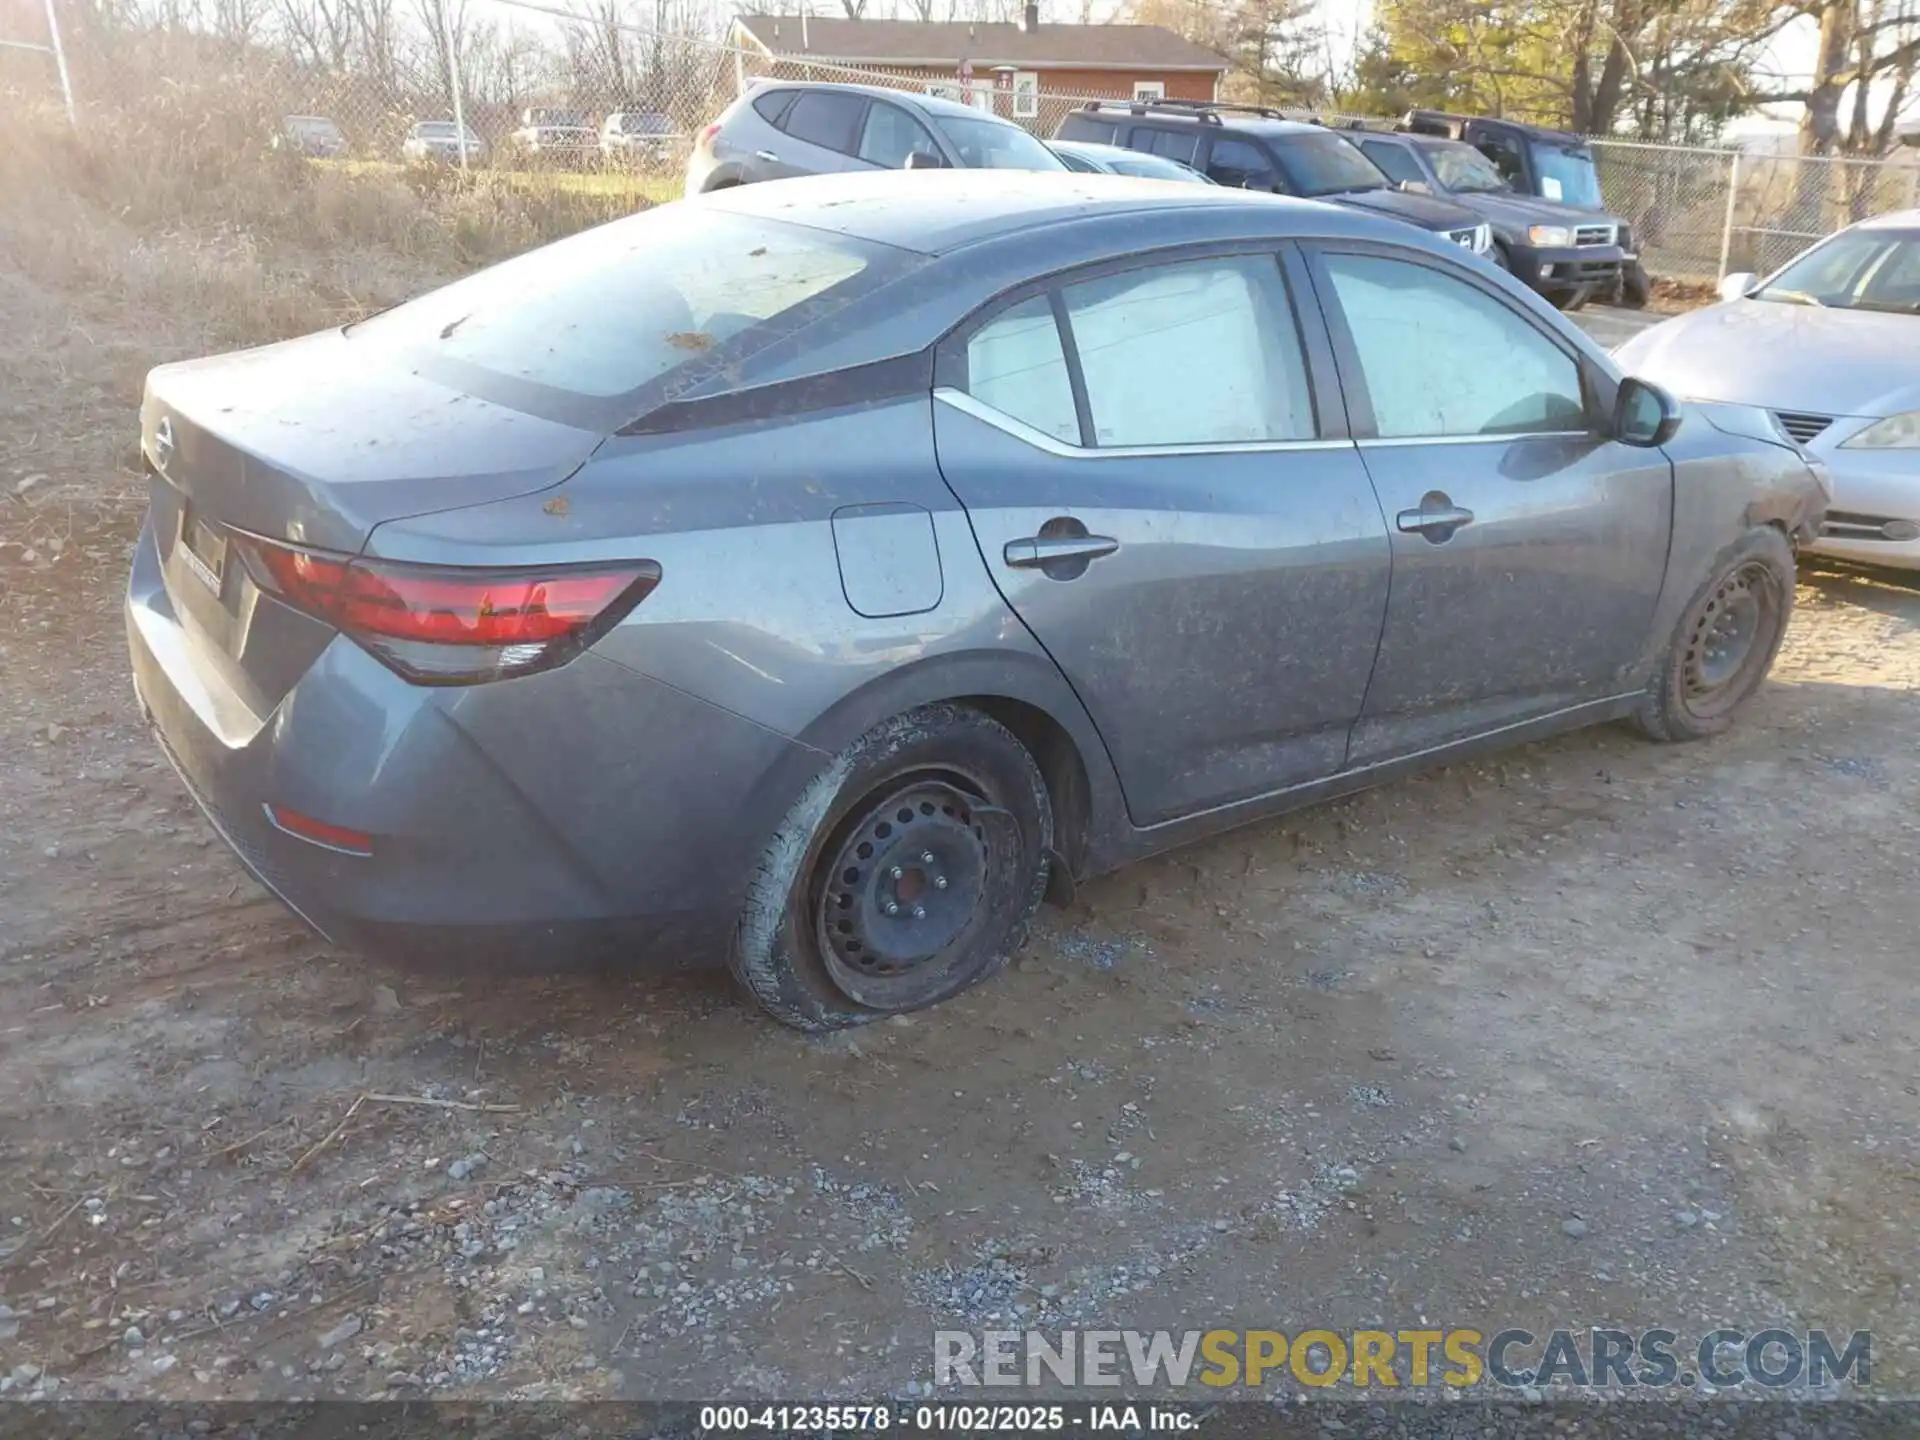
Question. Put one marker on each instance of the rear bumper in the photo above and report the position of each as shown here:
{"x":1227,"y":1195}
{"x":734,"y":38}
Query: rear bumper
{"x":543,"y":819}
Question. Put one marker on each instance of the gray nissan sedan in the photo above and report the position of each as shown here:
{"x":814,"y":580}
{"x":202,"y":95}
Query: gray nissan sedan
{"x":816,"y":575}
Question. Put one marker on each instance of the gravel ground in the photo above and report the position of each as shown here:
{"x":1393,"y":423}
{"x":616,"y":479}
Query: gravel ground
{"x":1595,"y":1032}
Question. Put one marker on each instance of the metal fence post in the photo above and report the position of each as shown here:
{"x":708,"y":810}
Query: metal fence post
{"x":1733,"y":196}
{"x":60,"y":64}
{"x":453,"y":79}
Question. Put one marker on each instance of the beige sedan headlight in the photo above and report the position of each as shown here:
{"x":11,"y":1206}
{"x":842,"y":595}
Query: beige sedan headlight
{"x":1896,"y":432}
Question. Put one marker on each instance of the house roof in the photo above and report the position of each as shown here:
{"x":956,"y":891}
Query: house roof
{"x":913,"y":42}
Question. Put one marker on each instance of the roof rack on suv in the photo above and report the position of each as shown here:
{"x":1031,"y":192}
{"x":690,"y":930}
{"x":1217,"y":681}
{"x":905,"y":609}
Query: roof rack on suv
{"x":1204,"y":110}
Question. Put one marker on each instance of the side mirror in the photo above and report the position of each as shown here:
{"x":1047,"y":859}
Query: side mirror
{"x":1738,"y":285}
{"x":1415,"y":187}
{"x":1644,"y":414}
{"x":924,"y":160}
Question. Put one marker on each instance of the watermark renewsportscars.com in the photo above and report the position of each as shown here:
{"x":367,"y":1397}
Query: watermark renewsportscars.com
{"x":1456,"y":1359}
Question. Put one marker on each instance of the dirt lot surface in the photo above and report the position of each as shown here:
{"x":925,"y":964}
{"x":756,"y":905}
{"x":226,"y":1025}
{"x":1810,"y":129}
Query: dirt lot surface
{"x":1597,"y":1032}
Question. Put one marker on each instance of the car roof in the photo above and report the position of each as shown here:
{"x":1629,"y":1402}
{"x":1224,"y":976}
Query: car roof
{"x":1893,"y":220}
{"x":938,"y":211}
{"x":932,"y":104}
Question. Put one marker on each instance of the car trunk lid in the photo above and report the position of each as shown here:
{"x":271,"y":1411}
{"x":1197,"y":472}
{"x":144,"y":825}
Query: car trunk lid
{"x":316,"y":441}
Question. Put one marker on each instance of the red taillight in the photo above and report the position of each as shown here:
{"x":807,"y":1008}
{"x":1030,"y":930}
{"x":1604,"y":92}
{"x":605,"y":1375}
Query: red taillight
{"x":706,"y":137}
{"x":445,"y":625}
{"x":319,"y":832}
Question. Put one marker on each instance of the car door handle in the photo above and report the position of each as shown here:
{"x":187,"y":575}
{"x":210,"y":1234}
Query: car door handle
{"x":1437,"y":518}
{"x":1036,"y":552}
{"x":766,"y":155}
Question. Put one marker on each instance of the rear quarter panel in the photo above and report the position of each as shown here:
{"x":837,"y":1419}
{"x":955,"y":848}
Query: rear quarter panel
{"x":755,"y":612}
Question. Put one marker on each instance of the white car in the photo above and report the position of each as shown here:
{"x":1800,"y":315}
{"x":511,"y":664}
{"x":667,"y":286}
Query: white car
{"x":1831,"y":346}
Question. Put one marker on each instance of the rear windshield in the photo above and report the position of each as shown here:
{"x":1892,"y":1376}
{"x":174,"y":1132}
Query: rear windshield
{"x":578,"y":328}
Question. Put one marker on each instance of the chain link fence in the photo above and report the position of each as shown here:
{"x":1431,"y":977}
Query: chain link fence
{"x":567,"y":95}
{"x":1700,"y":214}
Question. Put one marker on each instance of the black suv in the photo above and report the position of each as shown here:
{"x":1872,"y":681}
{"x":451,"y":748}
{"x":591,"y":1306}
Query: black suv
{"x":1552,"y":164}
{"x":1255,"y":148}
{"x":1569,"y":255}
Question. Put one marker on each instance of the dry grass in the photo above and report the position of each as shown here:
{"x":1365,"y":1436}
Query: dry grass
{"x":172,"y":230}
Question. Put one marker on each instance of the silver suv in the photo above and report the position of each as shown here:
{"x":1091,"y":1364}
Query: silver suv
{"x":781,"y":130}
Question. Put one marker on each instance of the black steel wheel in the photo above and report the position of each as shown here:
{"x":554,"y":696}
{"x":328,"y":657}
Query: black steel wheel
{"x":1725,"y":641}
{"x":908,"y":871}
{"x":905,"y":889}
{"x":1729,"y":640}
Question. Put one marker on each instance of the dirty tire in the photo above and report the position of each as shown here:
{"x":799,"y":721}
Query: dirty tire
{"x":815,"y":945}
{"x":1725,"y":642}
{"x":1498,"y":255}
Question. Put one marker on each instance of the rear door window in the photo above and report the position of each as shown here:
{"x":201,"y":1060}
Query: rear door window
{"x":1198,"y":352}
{"x":826,"y":118}
{"x":1173,"y":144}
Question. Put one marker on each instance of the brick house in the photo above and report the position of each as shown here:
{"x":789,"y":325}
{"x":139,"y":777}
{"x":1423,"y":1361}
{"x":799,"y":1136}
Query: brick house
{"x":1004,"y":68}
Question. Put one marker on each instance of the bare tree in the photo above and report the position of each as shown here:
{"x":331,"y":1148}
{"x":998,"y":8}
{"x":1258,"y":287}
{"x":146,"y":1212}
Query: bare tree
{"x":1868,"y":50}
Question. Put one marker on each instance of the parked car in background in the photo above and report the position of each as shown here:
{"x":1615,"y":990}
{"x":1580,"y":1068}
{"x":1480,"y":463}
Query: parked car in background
{"x":1092,"y":159}
{"x":638,"y":137}
{"x":1568,"y":255}
{"x":1552,"y":164}
{"x":314,"y":136}
{"x":1251,"y":147}
{"x":433,"y":142}
{"x":930,"y":540}
{"x":805,"y":128}
{"x":1831,"y":346}
{"x":553,"y":136}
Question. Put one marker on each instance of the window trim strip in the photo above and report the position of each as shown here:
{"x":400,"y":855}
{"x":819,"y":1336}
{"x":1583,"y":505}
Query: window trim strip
{"x":1040,"y":440}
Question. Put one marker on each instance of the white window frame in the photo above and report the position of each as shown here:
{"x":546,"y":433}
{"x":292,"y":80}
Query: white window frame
{"x":1026,"y":95}
{"x":1149,"y":90}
